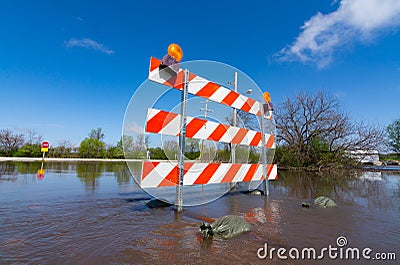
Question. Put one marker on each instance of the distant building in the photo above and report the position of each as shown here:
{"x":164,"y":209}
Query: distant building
{"x":364,"y":156}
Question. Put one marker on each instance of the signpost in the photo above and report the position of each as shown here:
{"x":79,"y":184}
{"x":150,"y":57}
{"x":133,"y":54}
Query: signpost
{"x":44,"y":148}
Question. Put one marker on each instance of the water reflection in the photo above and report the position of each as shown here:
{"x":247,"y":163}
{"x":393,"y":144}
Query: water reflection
{"x":16,"y":168}
{"x":88,"y":173}
{"x":380,"y":190}
{"x":94,"y":213}
{"x":375,"y":190}
{"x":61,"y":167}
{"x":8,"y":172}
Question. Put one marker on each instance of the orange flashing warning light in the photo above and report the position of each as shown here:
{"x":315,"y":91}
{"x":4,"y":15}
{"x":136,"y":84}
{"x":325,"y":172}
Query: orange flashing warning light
{"x":267,"y":97}
{"x":175,"y":51}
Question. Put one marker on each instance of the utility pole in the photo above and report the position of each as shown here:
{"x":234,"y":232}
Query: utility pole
{"x":206,"y":110}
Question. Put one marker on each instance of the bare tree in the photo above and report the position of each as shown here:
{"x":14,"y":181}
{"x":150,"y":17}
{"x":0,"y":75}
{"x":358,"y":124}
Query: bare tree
{"x":33,"y":137}
{"x":142,"y":142}
{"x":135,"y":148}
{"x":64,"y":149}
{"x":10,"y":142}
{"x":300,"y":119}
{"x":192,"y":145}
{"x":304,"y":119}
{"x":171,"y":149}
{"x":363,"y":136}
{"x":127,"y":144}
{"x":244,"y":120}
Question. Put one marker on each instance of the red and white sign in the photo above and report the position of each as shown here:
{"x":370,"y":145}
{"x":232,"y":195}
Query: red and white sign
{"x":45,"y":145}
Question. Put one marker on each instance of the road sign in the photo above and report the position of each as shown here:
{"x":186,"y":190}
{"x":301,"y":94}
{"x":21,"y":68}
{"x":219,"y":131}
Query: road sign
{"x":45,"y":147}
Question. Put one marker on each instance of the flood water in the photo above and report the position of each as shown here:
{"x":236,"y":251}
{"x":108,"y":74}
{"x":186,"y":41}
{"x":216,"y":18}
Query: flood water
{"x":94,"y":213}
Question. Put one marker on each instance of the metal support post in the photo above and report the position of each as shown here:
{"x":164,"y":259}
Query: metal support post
{"x":233,"y":146}
{"x":264,"y":152}
{"x":41,"y":167}
{"x":206,"y":110}
{"x":182,"y":143}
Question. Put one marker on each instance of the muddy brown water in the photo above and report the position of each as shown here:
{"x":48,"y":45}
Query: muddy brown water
{"x":94,"y":213}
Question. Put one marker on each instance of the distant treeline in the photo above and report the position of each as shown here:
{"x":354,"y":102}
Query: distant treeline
{"x":311,"y":131}
{"x":93,"y":146}
{"x":19,"y":145}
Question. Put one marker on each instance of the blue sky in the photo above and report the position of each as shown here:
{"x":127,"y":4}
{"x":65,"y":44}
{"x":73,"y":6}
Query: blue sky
{"x":69,"y":66}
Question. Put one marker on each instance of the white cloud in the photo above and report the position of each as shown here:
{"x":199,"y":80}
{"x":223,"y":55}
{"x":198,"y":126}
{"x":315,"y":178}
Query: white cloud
{"x":133,"y":127}
{"x":354,"y":21}
{"x":89,"y":44}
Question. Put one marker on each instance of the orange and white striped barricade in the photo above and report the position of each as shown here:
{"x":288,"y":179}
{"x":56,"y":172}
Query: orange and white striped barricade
{"x":167,"y":123}
{"x":159,"y":174}
{"x":162,"y":174}
{"x":201,"y":87}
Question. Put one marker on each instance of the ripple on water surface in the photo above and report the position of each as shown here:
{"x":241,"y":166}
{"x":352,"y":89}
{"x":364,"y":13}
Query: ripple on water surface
{"x":96,"y":214}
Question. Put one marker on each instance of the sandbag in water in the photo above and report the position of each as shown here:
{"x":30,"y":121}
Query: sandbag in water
{"x":225,"y":227}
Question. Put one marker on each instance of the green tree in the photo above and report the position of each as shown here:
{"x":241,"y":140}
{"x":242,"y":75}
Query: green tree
{"x":192,"y":148}
{"x":115,"y":152}
{"x":92,"y":148}
{"x":157,"y":153}
{"x":120,"y":144}
{"x":29,"y":150}
{"x":394,"y":135}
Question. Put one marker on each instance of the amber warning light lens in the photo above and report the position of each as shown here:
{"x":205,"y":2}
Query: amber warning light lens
{"x":267,"y":97}
{"x":175,"y":51}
